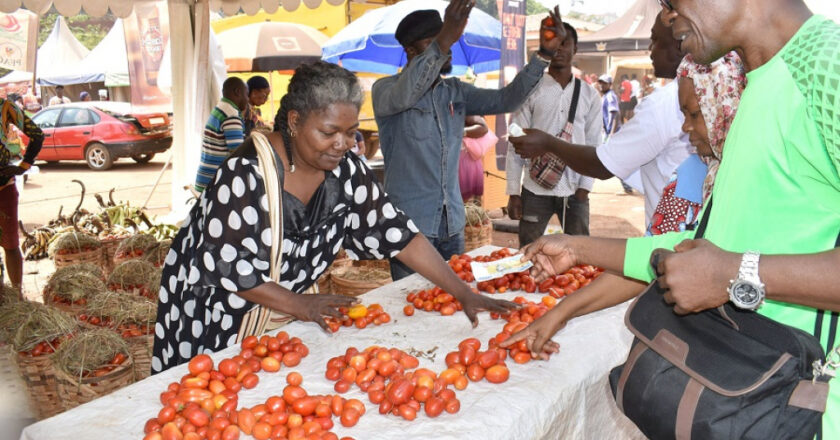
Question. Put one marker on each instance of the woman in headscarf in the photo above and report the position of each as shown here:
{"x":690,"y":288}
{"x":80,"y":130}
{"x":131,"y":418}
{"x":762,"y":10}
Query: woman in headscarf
{"x":709,"y":97}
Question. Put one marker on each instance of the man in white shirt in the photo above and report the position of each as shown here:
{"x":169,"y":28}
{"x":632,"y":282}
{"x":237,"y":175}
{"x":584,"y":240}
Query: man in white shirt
{"x":59,"y":97}
{"x":548,"y":108}
{"x":652,"y":143}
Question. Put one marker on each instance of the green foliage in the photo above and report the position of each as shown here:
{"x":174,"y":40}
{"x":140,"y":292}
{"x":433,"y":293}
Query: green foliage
{"x":88,"y":30}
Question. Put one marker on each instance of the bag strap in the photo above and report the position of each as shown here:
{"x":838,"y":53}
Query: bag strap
{"x":575,"y":98}
{"x":701,"y":228}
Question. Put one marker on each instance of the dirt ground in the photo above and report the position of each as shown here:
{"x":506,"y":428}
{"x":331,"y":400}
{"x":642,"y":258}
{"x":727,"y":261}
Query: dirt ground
{"x":611,"y":214}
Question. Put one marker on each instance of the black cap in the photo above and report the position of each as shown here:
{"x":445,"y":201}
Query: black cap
{"x":417,"y":26}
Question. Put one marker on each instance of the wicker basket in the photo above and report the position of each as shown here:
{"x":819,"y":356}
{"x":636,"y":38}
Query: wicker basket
{"x":109,"y":248}
{"x":74,"y":392}
{"x":93,"y":256}
{"x":477,"y":236}
{"x":141,"y":351}
{"x":39,"y":376}
{"x":71,"y":309}
{"x":374,"y":264}
{"x":343,"y":285}
{"x":325,"y":283}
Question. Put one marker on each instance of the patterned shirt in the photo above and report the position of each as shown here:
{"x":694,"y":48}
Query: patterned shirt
{"x":36,"y":136}
{"x":222,"y":134}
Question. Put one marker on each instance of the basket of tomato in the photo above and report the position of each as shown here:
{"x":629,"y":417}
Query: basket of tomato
{"x":76,"y":247}
{"x":92,"y":364}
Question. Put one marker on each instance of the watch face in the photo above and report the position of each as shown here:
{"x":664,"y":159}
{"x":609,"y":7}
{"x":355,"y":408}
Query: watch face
{"x":747,"y":294}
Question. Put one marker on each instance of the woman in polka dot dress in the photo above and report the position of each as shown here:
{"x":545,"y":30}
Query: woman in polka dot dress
{"x":218,"y":268}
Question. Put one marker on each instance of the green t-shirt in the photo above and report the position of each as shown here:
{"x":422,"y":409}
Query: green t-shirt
{"x":778,"y":187}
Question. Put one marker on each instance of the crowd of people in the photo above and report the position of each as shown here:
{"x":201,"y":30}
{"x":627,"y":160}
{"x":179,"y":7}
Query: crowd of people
{"x":277,"y":206}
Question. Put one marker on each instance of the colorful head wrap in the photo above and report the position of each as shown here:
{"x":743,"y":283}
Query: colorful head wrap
{"x":719,"y":87}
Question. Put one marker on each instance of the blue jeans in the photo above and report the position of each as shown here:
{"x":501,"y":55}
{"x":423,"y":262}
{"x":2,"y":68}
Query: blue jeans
{"x":446,"y":246}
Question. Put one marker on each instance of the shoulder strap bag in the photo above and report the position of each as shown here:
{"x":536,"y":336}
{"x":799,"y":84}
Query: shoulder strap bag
{"x":724,"y":373}
{"x":548,"y":168}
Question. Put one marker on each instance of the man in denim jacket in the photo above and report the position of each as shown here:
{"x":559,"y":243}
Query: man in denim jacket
{"x":421,"y":115}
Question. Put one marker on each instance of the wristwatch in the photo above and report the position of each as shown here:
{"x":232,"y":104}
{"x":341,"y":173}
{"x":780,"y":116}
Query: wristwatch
{"x":747,"y":291}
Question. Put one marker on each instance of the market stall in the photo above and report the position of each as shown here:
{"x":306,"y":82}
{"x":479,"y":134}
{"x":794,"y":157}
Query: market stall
{"x":565,"y":397}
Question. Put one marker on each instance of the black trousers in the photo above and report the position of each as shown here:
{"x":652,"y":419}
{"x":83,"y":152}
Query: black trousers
{"x":537,"y":211}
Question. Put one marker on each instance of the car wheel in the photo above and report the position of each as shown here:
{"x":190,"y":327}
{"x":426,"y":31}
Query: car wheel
{"x":143,"y":158}
{"x":98,"y":157}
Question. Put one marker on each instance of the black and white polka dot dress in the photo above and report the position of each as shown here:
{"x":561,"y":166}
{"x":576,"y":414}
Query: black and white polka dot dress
{"x":225,"y":246}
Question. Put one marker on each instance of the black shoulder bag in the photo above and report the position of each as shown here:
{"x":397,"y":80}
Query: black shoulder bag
{"x":723,"y":373}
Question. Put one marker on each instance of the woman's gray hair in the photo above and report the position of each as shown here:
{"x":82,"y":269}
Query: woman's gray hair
{"x":313,"y":88}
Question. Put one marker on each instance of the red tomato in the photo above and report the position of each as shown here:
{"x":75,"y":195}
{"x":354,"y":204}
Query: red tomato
{"x":250,"y":381}
{"x":200,"y":364}
{"x":497,"y":374}
{"x":400,"y":391}
{"x":292,"y":393}
{"x":305,"y":406}
{"x":452,"y":406}
{"x":261,"y":431}
{"x":246,"y":421}
{"x":275,"y":404}
{"x":291,"y":359}
{"x":434,"y":406}
{"x":349,"y":417}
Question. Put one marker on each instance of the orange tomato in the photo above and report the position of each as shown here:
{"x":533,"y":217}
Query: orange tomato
{"x":294,"y":378}
{"x":270,"y":364}
{"x":291,"y":359}
{"x":261,"y":431}
{"x":349,"y":417}
{"x":497,"y":374}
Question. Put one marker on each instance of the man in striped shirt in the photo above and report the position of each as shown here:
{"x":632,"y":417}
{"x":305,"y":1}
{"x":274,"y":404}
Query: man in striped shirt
{"x":223,"y":132}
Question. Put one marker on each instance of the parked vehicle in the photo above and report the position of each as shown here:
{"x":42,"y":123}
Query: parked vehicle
{"x":100,"y":132}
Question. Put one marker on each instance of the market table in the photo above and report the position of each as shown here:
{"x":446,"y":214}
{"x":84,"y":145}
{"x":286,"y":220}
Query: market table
{"x":563,"y":398}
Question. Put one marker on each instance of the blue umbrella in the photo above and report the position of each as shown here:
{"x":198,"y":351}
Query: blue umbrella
{"x":368,"y":44}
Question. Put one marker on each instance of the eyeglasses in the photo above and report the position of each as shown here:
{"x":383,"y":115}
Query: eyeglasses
{"x":666,"y":4}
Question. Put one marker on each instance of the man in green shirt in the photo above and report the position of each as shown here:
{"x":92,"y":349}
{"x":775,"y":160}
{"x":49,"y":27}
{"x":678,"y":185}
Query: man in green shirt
{"x":776,"y":200}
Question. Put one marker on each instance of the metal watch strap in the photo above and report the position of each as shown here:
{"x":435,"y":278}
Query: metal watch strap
{"x":749,"y":267}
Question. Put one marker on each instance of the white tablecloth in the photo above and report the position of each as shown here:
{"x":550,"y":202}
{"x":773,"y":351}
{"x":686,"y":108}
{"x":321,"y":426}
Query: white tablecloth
{"x":563,"y":398}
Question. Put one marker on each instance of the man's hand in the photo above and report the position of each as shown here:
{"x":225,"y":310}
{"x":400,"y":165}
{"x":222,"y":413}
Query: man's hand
{"x":696,"y":275}
{"x":315,"y":307}
{"x":454,"y":22}
{"x":582,"y":195}
{"x":514,"y":207}
{"x":535,"y":143}
{"x":475,"y":302}
{"x":551,"y":255}
{"x":552,"y":33}
{"x":537,"y":336}
{"x":11,"y":170}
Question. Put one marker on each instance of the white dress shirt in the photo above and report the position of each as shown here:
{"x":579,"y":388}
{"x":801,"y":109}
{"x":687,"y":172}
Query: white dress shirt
{"x":652,"y":142}
{"x":547,"y":109}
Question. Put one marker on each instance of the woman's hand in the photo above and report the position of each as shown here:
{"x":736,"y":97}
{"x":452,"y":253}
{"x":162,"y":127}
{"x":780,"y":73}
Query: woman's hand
{"x":315,"y":307}
{"x":537,"y":335}
{"x":551,"y":255}
{"x":473,"y":303}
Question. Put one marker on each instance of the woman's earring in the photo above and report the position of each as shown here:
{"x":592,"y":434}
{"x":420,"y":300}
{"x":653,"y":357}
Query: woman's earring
{"x":293,"y":133}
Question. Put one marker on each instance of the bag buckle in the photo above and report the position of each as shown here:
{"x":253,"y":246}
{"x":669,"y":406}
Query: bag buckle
{"x":828,"y":369}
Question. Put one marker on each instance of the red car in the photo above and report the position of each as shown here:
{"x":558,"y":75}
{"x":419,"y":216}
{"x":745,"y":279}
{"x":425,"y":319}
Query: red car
{"x":100,"y":132}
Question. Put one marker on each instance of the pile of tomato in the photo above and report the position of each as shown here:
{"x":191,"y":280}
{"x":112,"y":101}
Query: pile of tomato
{"x":113,"y":364}
{"x":76,"y":250}
{"x":434,"y":299}
{"x":203,"y":405}
{"x":359,"y":315}
{"x":469,"y":362}
{"x":44,"y":348}
{"x":392,"y":381}
{"x":62,"y":300}
{"x":127,"y":254}
{"x":126,"y":330}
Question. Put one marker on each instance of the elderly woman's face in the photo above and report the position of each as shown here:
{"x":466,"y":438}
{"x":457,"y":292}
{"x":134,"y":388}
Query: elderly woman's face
{"x":324,"y":136}
{"x":695,"y":124}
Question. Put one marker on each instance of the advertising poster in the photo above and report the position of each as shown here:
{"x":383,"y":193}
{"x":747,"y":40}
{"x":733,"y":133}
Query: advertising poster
{"x":18,"y":40}
{"x":512,"y":15}
{"x":146,"y":36}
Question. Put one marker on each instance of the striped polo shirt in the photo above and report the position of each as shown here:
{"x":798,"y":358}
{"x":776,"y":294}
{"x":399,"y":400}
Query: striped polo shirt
{"x":222,"y":134}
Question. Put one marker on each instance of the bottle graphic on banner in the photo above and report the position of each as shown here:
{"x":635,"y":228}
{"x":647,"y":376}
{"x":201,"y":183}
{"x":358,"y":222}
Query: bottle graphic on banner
{"x":151,"y":41}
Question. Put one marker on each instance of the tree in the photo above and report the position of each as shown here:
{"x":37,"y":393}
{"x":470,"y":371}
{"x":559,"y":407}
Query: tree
{"x":88,"y":30}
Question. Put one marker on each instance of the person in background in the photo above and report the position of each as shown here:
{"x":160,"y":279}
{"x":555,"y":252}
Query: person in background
{"x":223,"y":131}
{"x":421,"y":116}
{"x":637,"y":94}
{"x":548,"y":186}
{"x":30,"y":102}
{"x":625,"y":95}
{"x":652,"y":143}
{"x":359,"y":147}
{"x":11,"y":115}
{"x":258,"y":91}
{"x":478,"y":139}
{"x":84,"y":97}
{"x":59,"y":97}
{"x":610,"y":109}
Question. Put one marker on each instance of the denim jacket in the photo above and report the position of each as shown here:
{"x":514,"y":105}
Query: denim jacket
{"x":421,"y":124}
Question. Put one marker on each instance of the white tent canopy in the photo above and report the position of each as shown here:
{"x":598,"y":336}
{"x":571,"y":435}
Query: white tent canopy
{"x":123,"y":8}
{"x":107,"y":61}
{"x":60,"y":53}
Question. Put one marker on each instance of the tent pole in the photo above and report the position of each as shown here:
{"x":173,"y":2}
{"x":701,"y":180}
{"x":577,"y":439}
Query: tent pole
{"x":157,"y":181}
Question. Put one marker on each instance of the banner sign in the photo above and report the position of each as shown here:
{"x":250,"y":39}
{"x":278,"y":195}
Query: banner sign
{"x":146,"y":38}
{"x":18,"y":40}
{"x":512,"y":14}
